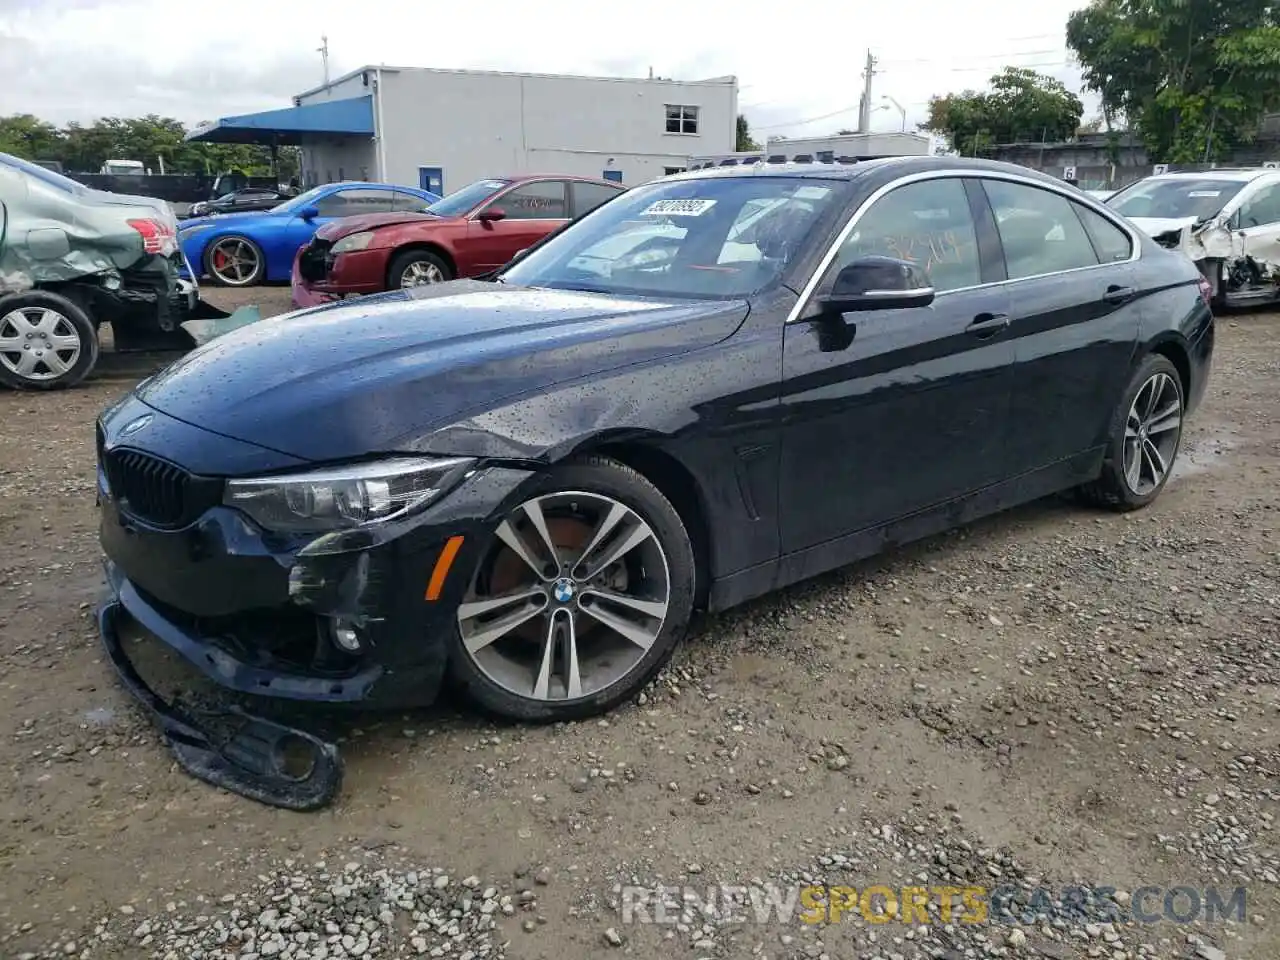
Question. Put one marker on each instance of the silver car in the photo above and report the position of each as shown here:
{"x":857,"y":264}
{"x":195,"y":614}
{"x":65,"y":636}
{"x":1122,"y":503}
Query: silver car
{"x":71,"y":259}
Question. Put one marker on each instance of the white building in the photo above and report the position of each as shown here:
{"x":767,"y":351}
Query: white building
{"x":442,"y":129}
{"x":846,"y":147}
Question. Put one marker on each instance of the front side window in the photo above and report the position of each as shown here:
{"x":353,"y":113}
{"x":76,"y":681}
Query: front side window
{"x":719,"y":238}
{"x":1039,"y":230}
{"x":927,"y":223}
{"x":541,"y":200}
{"x":1261,"y":208}
{"x":461,"y":202}
{"x":1176,"y":198}
{"x":682,"y":118}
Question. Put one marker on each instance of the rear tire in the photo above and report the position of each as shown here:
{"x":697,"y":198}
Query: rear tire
{"x":417,"y":268}
{"x":1143,"y":442}
{"x":47,"y":342}
{"x":621,"y":614}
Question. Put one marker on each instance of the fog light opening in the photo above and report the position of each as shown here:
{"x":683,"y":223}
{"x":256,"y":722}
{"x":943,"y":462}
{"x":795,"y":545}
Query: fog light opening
{"x":345,"y":635}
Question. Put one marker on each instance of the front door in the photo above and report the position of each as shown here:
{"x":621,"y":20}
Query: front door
{"x":529,"y":212}
{"x":909,"y":407}
{"x":1074,"y":327}
{"x":431,"y":179}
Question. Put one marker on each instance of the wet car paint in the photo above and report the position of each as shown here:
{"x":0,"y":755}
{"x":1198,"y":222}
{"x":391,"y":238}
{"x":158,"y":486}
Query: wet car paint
{"x":794,"y":451}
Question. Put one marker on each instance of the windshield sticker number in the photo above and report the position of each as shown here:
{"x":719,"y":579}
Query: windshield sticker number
{"x":677,"y":208}
{"x":811,"y":193}
{"x":1205,"y":193}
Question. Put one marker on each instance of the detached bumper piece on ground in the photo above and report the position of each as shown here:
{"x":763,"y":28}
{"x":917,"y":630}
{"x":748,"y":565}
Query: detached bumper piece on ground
{"x":257,"y":758}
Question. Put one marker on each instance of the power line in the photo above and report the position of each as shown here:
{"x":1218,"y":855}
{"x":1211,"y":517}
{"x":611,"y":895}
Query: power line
{"x":801,"y":123}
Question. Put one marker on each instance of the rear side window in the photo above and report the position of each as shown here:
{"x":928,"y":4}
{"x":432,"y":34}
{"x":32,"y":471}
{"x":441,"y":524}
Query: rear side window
{"x":350,"y":203}
{"x":407,"y":202}
{"x":1112,"y":243}
{"x":588,"y":196}
{"x":1038,"y":229}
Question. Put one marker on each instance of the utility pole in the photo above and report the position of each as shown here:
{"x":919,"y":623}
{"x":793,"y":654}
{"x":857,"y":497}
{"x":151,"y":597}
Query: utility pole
{"x":323,"y":50}
{"x":864,"y":104}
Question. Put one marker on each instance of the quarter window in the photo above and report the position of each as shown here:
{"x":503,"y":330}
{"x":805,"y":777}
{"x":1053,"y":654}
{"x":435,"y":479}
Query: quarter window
{"x":1038,"y":229}
{"x":541,"y":200}
{"x":1112,"y":243}
{"x":928,"y":223}
{"x":681,"y":118}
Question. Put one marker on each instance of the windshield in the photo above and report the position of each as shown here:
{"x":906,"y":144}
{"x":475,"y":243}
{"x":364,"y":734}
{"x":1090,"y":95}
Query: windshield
{"x":706,"y":238}
{"x":301,"y":200}
{"x":466,"y":199}
{"x":56,"y":180}
{"x":1175,"y":199}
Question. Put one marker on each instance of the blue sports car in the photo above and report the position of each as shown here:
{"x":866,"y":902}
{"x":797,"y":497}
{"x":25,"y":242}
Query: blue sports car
{"x":242,"y":249}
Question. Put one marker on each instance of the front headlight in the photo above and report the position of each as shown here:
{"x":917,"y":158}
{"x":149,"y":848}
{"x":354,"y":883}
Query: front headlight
{"x":339,"y":498}
{"x":356,"y":241}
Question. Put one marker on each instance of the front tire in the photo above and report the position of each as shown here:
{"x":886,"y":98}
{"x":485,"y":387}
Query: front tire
{"x":47,"y":342}
{"x":580,"y":599}
{"x":417,"y":268}
{"x":1146,"y":432}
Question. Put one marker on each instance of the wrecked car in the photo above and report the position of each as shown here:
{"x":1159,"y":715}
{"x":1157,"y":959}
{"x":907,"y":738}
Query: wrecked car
{"x":521,"y":489}
{"x":1226,"y":220}
{"x":72,"y":259}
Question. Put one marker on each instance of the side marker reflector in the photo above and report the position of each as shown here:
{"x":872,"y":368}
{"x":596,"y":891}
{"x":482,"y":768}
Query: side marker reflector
{"x":443,"y":563}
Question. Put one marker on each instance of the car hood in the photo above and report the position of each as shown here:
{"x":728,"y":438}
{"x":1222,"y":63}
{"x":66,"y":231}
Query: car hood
{"x":1154,"y":226}
{"x":374,"y":374}
{"x":214,"y":219}
{"x":337,"y":229}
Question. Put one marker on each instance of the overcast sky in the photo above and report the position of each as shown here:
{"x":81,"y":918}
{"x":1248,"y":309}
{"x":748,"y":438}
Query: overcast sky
{"x":796,"y":61}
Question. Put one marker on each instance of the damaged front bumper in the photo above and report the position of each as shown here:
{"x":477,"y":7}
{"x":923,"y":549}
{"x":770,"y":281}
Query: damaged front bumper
{"x":1243,"y":269}
{"x":257,"y":758}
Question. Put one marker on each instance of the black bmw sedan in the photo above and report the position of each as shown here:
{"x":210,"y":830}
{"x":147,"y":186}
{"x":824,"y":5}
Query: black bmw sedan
{"x":715,"y":385}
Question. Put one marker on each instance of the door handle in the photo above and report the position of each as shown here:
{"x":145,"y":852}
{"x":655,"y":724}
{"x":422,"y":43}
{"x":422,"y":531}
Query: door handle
{"x":1118,"y":294}
{"x":988,"y":324}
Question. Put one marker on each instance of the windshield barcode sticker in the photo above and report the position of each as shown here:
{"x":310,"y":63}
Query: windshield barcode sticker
{"x":677,"y":208}
{"x":1205,"y":193}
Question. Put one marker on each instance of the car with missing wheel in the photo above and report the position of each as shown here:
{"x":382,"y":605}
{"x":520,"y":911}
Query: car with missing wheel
{"x":523,"y":488}
{"x":471,"y":232}
{"x":245,"y":249}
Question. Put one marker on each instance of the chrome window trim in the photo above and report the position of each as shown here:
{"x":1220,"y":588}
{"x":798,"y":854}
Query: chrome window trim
{"x":1067,"y":193}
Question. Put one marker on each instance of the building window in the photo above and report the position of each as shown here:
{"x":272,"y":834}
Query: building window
{"x":682,"y":119}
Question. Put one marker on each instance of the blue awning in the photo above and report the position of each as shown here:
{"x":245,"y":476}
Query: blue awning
{"x":353,"y":117}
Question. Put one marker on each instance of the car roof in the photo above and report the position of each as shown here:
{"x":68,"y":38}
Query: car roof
{"x":523,"y":177}
{"x":1235,"y":174}
{"x":895,"y":166}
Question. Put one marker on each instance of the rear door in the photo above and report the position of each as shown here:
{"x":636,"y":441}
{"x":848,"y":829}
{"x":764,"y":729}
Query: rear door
{"x":1075,"y":318}
{"x":531,"y":211}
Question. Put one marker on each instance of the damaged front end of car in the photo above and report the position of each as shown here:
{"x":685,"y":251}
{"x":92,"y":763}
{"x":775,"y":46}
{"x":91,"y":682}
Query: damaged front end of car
{"x":1242,"y":270}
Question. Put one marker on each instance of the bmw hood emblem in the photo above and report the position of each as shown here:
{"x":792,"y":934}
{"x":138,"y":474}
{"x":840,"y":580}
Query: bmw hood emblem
{"x":133,"y":426}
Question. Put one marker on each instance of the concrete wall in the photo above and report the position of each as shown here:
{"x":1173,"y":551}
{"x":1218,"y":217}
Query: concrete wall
{"x":480,"y":124}
{"x":330,"y":159}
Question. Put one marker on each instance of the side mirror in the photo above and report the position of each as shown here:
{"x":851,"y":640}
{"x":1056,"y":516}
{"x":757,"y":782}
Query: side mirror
{"x":309,"y":213}
{"x":877,"y":283}
{"x":491,"y":215}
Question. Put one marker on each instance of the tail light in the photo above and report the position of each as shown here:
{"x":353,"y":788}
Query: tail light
{"x":1206,"y":291}
{"x":156,"y":236}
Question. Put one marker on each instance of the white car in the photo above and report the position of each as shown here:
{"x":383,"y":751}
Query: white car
{"x":1227,"y":221}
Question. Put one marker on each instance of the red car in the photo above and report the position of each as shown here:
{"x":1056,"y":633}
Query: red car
{"x":470,"y":232}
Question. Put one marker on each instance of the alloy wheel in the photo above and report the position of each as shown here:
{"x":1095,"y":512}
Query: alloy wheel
{"x":234,"y":261}
{"x":1151,"y":434}
{"x":38,"y":344}
{"x":420,"y":273}
{"x":569,"y":601}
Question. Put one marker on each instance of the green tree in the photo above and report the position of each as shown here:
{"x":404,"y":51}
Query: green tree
{"x":30,"y":138}
{"x":1193,"y":79}
{"x":1020,"y":105}
{"x":745,"y":142}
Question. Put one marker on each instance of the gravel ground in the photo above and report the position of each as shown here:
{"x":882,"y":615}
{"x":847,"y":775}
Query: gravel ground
{"x":1047,"y":699}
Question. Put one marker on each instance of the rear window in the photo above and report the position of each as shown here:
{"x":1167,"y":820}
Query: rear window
{"x":55,"y":180}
